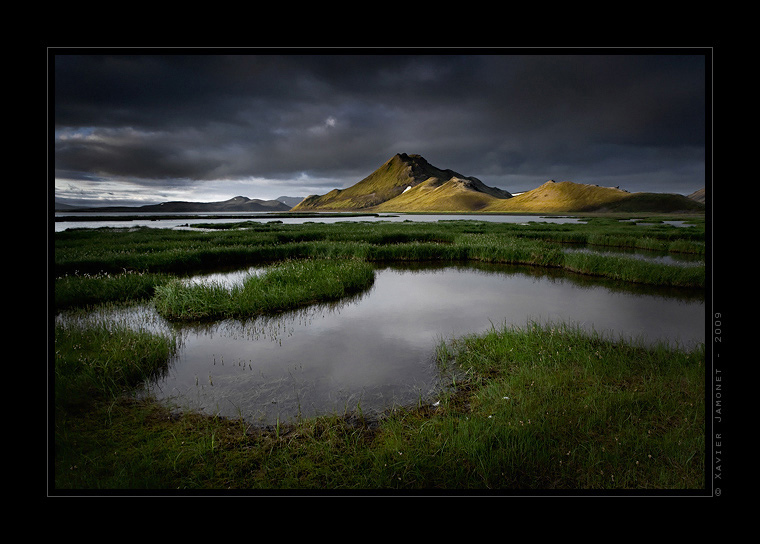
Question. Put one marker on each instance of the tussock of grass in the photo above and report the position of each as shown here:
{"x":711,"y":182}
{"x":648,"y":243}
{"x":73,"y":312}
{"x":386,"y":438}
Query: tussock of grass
{"x":283,"y":287}
{"x":86,"y":290}
{"x":634,"y":270}
{"x":96,"y":360}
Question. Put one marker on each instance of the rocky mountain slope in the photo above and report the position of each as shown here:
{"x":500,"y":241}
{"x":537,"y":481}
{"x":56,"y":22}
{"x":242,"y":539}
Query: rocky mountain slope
{"x":407,"y":183}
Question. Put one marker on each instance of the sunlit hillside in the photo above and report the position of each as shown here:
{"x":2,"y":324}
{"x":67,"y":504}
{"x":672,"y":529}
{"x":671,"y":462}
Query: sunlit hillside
{"x":413,"y":184}
{"x":561,"y":197}
{"x":435,"y":195}
{"x":388,"y":181}
{"x":408,"y":183}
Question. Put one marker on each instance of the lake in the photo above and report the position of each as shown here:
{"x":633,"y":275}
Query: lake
{"x":377,"y":350}
{"x":158,"y":220}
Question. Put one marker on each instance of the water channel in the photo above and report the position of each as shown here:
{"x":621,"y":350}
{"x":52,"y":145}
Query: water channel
{"x":377,"y":350}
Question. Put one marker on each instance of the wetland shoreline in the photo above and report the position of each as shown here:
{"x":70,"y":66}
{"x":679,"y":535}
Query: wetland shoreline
{"x":350,"y":451}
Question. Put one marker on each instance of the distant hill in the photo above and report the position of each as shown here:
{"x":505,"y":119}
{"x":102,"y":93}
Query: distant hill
{"x":236,"y":204}
{"x":698,"y":195}
{"x":567,"y":196}
{"x":289,"y":200}
{"x":408,"y":183}
{"x":61,"y":207}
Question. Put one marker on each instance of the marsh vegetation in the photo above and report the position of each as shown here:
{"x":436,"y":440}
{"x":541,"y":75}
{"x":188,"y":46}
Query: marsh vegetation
{"x":543,"y":406}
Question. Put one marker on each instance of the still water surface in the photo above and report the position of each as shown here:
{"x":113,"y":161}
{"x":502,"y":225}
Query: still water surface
{"x":157,"y":220}
{"x":377,"y":350}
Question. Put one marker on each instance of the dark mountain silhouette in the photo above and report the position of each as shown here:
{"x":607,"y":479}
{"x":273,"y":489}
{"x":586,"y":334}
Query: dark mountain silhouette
{"x":236,"y":204}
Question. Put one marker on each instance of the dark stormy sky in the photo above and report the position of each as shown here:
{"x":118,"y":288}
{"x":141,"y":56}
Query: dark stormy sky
{"x":168,"y":125}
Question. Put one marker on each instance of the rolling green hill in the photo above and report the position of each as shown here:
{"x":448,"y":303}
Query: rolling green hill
{"x":561,"y":197}
{"x":408,"y":183}
{"x":567,"y":196}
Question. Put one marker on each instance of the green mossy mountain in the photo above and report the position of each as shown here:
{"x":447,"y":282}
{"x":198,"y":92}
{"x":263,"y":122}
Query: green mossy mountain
{"x":408,"y":183}
{"x":402,"y":174}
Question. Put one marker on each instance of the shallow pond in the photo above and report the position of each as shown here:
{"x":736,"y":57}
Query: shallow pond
{"x":377,"y":350}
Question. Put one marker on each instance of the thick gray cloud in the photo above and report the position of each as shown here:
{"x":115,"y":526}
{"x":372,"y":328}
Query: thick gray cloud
{"x":268,"y":125}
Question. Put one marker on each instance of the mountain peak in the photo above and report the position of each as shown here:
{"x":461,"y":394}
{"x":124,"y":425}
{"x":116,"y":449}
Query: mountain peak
{"x":405,"y":156}
{"x":397,"y":176}
{"x":416,"y":165}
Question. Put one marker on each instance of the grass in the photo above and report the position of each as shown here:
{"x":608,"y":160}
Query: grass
{"x":554,"y":409}
{"x":283,"y":287}
{"x":158,"y":251}
{"x":541,"y":408}
{"x":86,"y":290}
{"x":537,"y":408}
{"x":634,"y":270}
{"x":105,"y":360}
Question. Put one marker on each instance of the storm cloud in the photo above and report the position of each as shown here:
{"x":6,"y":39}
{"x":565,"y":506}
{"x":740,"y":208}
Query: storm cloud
{"x":176,"y":126}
